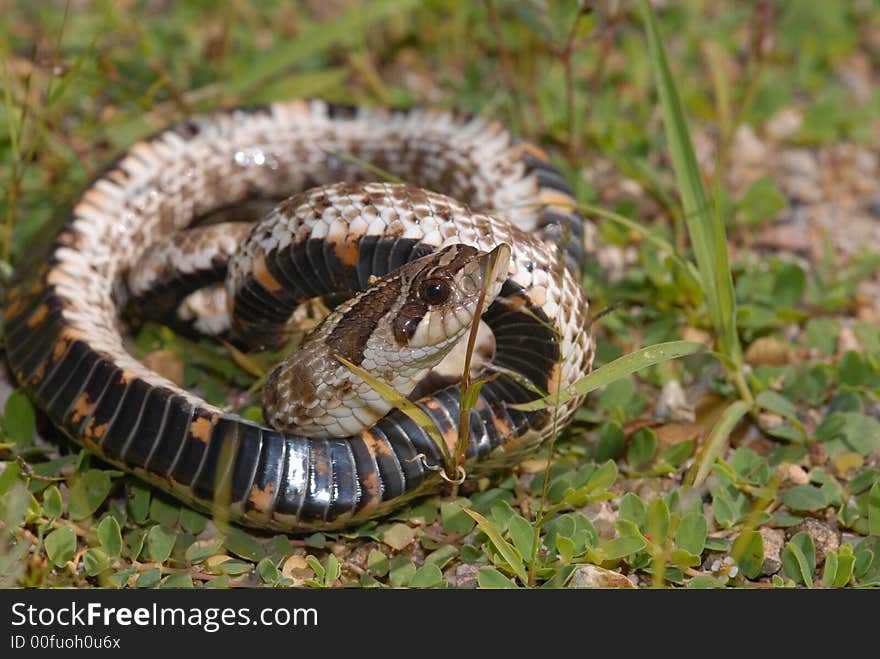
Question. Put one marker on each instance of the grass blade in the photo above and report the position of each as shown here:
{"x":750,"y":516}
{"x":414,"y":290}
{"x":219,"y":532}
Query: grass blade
{"x":507,"y":551}
{"x":619,"y":368}
{"x":718,"y":438}
{"x":409,"y":408}
{"x":705,"y":226}
{"x":289,"y":52}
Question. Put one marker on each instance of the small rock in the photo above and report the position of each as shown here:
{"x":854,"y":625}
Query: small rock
{"x":847,"y":340}
{"x":672,"y":405}
{"x":747,"y":145}
{"x":462,"y":576}
{"x":783,"y":124}
{"x":603,"y":517}
{"x":792,"y":473}
{"x":593,"y":576}
{"x":773,"y":540}
{"x":824,"y":538}
{"x":612,"y":261}
{"x":801,"y":163}
{"x":768,"y":351}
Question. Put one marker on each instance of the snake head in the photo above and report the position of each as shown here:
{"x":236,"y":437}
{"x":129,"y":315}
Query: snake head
{"x":444,"y":291}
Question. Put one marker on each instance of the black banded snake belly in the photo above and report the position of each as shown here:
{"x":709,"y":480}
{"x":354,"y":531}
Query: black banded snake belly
{"x":338,"y":232}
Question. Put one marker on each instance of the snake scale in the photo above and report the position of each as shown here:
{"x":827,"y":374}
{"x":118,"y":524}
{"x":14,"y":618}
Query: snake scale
{"x":406,"y":248}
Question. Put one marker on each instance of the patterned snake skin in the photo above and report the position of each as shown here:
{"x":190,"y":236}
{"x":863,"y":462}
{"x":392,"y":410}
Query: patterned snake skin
{"x":65,"y":347}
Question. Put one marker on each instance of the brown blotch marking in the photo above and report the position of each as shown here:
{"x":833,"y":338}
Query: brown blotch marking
{"x":82,"y":408}
{"x":528,"y":148}
{"x":375,"y":445}
{"x":347,"y":251}
{"x":557,"y":200}
{"x":262,"y":274}
{"x":60,"y":347}
{"x":502,"y":427}
{"x":37,"y":377}
{"x":96,"y":432}
{"x":553,"y":379}
{"x":12,"y":310}
{"x":262,"y":498}
{"x":450,"y":436}
{"x":38,"y":316}
{"x":349,"y":338}
{"x":201,"y":428}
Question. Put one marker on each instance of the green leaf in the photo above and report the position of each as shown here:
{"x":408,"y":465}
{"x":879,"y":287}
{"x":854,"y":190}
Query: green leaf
{"x":799,"y":559}
{"x":657,"y":521}
{"x":774,"y":402}
{"x":507,"y":551}
{"x":202,"y":549}
{"x":611,"y":442}
{"x":18,"y":417}
{"x":149,"y":578}
{"x":398,"y":536}
{"x":268,"y":571}
{"x":164,"y":511}
{"x":95,"y":561}
{"x":632,"y":508}
{"x":192,"y":521}
{"x":522,"y":534}
{"x":442,"y":555}
{"x":874,"y":510}
{"x":427,"y":576}
{"x":852,"y":369}
{"x":748,"y":552}
{"x":177,"y":580}
{"x":138,"y":502}
{"x":566,"y":548}
{"x":243,"y":544}
{"x":643,"y":444}
{"x":489,"y":577}
{"x":110,"y":537}
{"x":677,"y":453}
{"x":788,"y":286}
{"x":619,"y":368}
{"x":160,"y":543}
{"x":455,"y":518}
{"x":88,"y":493}
{"x":60,"y":545}
{"x":621,"y":547}
{"x":804,"y":497}
{"x":401,"y":571}
{"x":53,"y":505}
{"x":718,"y":438}
{"x":691,"y":533}
{"x":761,"y":202}
{"x":377,"y":563}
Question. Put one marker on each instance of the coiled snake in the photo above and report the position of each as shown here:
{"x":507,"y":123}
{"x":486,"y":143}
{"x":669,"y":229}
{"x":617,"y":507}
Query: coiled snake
{"x":336,"y":454}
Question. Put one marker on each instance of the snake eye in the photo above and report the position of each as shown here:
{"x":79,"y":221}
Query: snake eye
{"x":435,"y":291}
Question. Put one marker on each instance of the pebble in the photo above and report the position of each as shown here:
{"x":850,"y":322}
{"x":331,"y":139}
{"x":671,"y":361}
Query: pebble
{"x":792,"y":473}
{"x":824,"y":538}
{"x":462,"y":576}
{"x":773,"y":540}
{"x":593,"y":576}
{"x":603,"y":517}
{"x":847,"y":340}
{"x":783,"y":124}
{"x":672,"y":404}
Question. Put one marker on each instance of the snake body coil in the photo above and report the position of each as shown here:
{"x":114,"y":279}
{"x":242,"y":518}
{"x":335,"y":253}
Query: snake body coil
{"x":61,"y":318}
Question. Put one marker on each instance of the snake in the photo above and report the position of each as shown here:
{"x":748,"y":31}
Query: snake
{"x":475,"y":210}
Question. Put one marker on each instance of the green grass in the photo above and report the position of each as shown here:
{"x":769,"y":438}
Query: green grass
{"x":665,"y":502}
